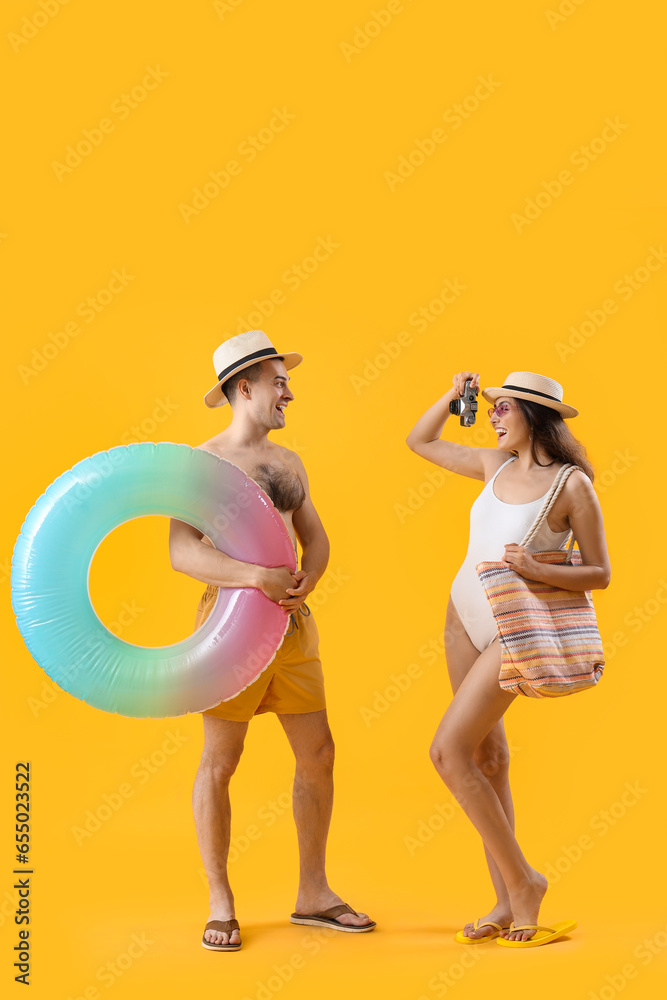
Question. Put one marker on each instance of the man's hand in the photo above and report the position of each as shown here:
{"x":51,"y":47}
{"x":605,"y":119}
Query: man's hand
{"x":519,"y":559}
{"x":275,"y":582}
{"x":299,"y":593}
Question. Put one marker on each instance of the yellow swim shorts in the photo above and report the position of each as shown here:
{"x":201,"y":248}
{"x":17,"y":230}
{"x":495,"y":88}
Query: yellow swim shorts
{"x":292,"y":683}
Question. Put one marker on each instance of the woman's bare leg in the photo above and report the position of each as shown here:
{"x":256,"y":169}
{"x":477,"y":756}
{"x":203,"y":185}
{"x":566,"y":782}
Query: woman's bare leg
{"x":477,"y":706}
{"x":492,"y":758}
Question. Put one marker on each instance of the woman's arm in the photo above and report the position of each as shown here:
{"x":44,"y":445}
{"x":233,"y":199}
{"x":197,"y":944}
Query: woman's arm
{"x":424,"y":438}
{"x":585,"y":516}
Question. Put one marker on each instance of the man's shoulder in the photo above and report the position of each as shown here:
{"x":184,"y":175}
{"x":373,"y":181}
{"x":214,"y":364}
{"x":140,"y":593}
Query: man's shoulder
{"x":278,"y":453}
{"x":214,"y":445}
{"x":287,"y":455}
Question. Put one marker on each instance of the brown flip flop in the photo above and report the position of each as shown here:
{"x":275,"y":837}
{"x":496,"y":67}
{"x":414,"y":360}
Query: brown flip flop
{"x":226,"y":926}
{"x":328,"y":919}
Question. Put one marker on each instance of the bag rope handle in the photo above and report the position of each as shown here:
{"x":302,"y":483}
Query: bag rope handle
{"x":556,"y":487}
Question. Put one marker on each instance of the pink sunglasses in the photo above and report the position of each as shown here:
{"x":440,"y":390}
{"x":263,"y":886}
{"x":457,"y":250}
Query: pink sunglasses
{"x":500,"y":410}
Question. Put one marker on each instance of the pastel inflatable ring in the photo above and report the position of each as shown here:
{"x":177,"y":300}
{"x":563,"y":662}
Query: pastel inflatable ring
{"x":51,"y":564}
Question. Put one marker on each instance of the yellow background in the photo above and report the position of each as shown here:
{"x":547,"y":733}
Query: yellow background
{"x":139,"y":369}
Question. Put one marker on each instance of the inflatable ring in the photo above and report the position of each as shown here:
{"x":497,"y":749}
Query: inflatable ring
{"x":51,"y":564}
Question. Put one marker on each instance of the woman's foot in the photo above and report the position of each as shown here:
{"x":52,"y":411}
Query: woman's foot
{"x":500,"y":914}
{"x":525,"y":902}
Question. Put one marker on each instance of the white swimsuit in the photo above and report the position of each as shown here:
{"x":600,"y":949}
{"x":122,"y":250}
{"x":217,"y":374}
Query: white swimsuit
{"x":493,"y":525}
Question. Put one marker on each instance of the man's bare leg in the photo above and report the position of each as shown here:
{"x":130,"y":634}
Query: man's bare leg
{"x":223,"y":744}
{"x":310,"y":738}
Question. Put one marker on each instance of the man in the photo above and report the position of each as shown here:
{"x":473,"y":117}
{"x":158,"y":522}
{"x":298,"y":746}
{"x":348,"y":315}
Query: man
{"x":253,"y":377}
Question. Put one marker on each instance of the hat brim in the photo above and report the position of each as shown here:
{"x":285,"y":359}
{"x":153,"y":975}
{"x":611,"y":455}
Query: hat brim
{"x":491,"y":395}
{"x":216,"y":397}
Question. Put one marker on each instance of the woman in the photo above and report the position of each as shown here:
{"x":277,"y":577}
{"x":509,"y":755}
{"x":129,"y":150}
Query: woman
{"x":470,"y":749}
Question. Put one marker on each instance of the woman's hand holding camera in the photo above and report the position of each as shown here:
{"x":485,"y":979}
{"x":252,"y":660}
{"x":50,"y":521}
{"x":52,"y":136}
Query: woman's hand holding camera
{"x":459,"y":381}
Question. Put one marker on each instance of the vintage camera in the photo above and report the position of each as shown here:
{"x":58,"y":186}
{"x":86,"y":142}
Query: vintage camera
{"x":466,"y":405}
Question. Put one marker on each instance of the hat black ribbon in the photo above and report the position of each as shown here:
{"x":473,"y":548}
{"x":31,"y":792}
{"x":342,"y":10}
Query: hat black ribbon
{"x":535,"y":392}
{"x":255,"y":356}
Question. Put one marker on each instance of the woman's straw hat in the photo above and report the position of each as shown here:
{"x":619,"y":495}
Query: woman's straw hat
{"x":537,"y":388}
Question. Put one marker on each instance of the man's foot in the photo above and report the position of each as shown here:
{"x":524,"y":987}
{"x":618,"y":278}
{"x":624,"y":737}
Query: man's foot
{"x":223,"y":928}
{"x":525,"y":903}
{"x":222,"y":911}
{"x":312,"y":907}
{"x":500,"y":914}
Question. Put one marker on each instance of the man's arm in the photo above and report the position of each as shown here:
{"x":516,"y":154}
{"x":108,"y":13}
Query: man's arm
{"x":192,"y":554}
{"x":314,"y":544}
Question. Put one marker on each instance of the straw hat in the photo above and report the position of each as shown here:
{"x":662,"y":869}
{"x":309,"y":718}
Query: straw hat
{"x":240,"y":352}
{"x":537,"y":388}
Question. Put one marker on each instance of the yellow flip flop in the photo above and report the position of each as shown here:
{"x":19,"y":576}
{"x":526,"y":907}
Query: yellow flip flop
{"x":464,"y":939}
{"x":542,"y":934}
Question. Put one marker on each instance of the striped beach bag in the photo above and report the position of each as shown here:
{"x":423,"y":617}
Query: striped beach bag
{"x":549,"y":638}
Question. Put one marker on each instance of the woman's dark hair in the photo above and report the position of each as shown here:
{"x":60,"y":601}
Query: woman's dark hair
{"x":550,"y":431}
